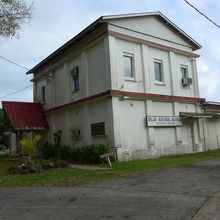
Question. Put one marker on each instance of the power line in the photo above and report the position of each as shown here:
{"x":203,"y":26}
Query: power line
{"x":12,"y":62}
{"x":16,"y":64}
{"x":202,"y":14}
{"x":12,"y":93}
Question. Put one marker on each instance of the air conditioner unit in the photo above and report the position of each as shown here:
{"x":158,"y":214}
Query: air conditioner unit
{"x":186,"y":81}
{"x":76,"y":133}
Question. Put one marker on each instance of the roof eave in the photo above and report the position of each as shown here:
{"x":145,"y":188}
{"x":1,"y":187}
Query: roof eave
{"x":179,"y":30}
{"x":109,"y":17}
{"x":67,"y":44}
{"x":102,"y":19}
{"x":195,"y":44}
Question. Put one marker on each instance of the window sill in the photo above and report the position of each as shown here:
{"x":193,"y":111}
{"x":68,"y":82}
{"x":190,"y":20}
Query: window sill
{"x":186,"y":87}
{"x":160,"y":83}
{"x":100,"y":135}
{"x":130,"y":80}
{"x":75,"y":91}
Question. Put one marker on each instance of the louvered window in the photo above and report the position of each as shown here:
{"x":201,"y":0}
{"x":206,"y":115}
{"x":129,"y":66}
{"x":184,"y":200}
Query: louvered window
{"x":98,"y":129}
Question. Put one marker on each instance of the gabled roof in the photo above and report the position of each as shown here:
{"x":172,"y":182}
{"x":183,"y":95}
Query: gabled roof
{"x":106,"y":19}
{"x":195,"y":44}
{"x":25,"y":115}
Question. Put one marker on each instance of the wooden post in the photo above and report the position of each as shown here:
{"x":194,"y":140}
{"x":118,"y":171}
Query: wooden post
{"x":107,"y":156}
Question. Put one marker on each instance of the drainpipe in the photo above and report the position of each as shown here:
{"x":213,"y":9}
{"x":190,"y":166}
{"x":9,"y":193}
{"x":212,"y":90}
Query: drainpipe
{"x":203,"y":126}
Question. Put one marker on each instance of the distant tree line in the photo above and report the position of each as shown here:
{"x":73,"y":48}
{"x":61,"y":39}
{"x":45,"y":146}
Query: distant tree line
{"x":4,"y":139}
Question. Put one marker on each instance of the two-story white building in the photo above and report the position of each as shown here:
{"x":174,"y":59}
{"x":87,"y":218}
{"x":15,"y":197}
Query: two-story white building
{"x":129,"y":81}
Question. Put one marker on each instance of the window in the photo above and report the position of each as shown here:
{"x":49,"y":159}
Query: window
{"x":98,"y":129}
{"x":75,"y":76}
{"x":43,"y":93}
{"x":158,"y":70}
{"x":184,"y":71}
{"x":128,"y":65}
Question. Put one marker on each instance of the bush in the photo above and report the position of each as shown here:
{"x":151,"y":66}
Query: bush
{"x":49,"y":151}
{"x":85,"y":153}
{"x":75,"y":154}
{"x":29,"y":146}
{"x":64,"y":152}
{"x":91,"y":153}
{"x":57,"y":137}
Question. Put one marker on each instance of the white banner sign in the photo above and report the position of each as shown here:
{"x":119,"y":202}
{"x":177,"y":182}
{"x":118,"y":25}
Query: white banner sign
{"x":163,"y":121}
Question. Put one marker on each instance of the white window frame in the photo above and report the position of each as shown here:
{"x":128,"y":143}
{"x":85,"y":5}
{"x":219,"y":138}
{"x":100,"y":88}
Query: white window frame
{"x":131,"y":56}
{"x":74,"y":73}
{"x":162,"y":72}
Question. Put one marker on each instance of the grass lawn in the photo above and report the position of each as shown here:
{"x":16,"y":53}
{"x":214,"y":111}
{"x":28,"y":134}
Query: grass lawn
{"x":73,"y":177}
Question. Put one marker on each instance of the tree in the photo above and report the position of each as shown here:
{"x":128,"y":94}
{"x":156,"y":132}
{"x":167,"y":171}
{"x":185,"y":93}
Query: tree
{"x":29,"y":146}
{"x":1,"y":128}
{"x":13,"y":13}
{"x":3,"y":135}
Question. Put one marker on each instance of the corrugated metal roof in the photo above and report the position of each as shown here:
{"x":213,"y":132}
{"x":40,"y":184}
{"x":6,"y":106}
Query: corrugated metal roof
{"x":197,"y":115}
{"x":25,"y":115}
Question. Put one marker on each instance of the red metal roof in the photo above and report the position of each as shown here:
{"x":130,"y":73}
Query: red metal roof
{"x":25,"y":115}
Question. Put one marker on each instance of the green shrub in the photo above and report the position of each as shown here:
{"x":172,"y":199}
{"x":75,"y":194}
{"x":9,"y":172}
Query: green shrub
{"x":57,"y":138}
{"x":29,"y":146}
{"x":75,"y":154}
{"x":85,"y":153}
{"x":64,"y":152}
{"x":49,"y":151}
{"x":91,"y":153}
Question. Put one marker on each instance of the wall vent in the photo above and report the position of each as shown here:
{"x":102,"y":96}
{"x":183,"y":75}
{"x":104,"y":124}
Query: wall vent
{"x":98,"y":129}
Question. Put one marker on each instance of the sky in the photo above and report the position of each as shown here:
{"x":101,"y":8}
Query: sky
{"x":54,"y":22}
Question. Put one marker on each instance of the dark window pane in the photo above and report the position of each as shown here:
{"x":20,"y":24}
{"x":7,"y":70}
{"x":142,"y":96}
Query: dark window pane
{"x":158,"y":71}
{"x":76,"y":82}
{"x":43,"y":91}
{"x":184,"y":72}
{"x":75,"y":76}
{"x":128,"y":66}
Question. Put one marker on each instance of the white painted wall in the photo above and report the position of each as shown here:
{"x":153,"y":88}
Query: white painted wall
{"x":212,"y":133}
{"x":82,"y":116}
{"x":150,"y":28}
{"x":144,"y":80}
{"x":101,"y":69}
{"x":135,"y":140}
{"x":94,"y":77}
{"x":12,"y":143}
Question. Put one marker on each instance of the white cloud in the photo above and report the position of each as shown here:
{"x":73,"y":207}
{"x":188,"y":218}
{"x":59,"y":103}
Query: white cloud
{"x":209,"y":80}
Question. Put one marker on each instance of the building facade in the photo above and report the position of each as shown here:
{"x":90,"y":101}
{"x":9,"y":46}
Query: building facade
{"x":129,"y":81}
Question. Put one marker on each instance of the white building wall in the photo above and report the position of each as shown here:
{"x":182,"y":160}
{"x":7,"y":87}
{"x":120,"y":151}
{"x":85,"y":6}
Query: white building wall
{"x":150,"y":28}
{"x":140,"y":141}
{"x":180,"y":90}
{"x":212,"y":133}
{"x":82,"y":117}
{"x":94,"y":77}
{"x":60,"y":86}
{"x":101,"y":69}
{"x":136,"y":140}
{"x":122,"y":47}
{"x":144,"y":57}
